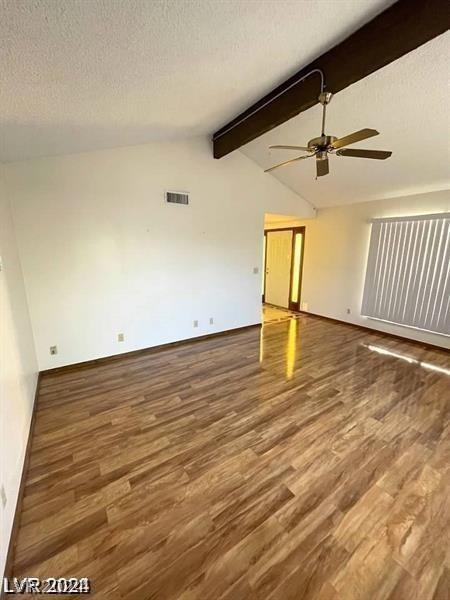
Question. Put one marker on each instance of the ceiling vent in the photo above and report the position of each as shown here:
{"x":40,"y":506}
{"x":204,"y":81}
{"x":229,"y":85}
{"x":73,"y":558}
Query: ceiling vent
{"x":177,"y":198}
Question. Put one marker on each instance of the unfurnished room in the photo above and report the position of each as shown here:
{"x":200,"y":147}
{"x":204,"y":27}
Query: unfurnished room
{"x":225,"y":299}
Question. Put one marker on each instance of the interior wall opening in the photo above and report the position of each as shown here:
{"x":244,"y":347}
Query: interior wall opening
{"x":283,"y":251}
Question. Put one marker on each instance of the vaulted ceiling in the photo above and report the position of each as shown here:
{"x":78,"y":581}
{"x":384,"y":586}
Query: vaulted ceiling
{"x":407,"y":102}
{"x":79,"y":75}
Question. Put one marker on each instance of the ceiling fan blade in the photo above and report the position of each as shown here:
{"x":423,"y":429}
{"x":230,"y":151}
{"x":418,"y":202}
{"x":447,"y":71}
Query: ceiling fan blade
{"x":377,"y":154}
{"x":277,"y":147}
{"x":287,"y":162}
{"x":357,"y":136}
{"x":322,"y":166}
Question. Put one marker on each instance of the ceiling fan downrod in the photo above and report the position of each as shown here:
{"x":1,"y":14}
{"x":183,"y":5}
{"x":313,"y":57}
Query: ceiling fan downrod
{"x":324,"y":99}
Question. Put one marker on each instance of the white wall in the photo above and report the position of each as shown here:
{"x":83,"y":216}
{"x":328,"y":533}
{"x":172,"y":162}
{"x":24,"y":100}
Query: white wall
{"x":18,"y":372}
{"x":102,"y":253}
{"x":336,"y":249}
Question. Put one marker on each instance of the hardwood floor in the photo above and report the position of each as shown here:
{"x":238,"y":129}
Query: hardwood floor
{"x":272,"y":314}
{"x":309,"y":460}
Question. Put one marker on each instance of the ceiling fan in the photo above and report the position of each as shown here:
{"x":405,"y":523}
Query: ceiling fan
{"x":324,"y":145}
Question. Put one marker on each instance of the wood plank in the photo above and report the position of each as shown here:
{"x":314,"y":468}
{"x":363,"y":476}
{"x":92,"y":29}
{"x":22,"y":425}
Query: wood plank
{"x":320,"y":470}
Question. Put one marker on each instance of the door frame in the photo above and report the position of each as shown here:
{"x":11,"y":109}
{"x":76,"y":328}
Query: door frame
{"x":295,"y":306}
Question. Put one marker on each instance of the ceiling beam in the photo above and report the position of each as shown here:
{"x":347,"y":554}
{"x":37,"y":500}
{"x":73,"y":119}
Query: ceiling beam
{"x":399,"y":29}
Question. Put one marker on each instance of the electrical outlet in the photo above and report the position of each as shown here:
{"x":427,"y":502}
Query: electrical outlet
{"x":256,"y":270}
{"x":120,"y":337}
{"x":305,"y":306}
{"x":211,"y":320}
{"x":195,"y":323}
{"x":3,"y":495}
{"x":53,"y":349}
{"x":348,"y":311}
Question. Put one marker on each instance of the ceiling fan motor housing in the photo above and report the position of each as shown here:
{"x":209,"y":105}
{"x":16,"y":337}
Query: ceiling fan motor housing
{"x":321,"y":143}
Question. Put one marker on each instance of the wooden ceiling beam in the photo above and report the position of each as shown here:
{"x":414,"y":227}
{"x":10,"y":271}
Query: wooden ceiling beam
{"x":401,"y":28}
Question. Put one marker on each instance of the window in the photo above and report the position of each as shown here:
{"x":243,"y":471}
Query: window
{"x":295,"y":282}
{"x":408,"y":272}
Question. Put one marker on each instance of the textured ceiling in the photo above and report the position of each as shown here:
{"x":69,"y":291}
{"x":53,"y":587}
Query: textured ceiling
{"x":86,"y":74}
{"x":407,"y":102}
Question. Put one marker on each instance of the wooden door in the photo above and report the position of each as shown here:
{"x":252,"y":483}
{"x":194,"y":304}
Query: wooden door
{"x":278,"y":267}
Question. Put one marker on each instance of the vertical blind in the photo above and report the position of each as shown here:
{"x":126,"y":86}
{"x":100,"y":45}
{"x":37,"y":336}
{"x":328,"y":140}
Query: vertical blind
{"x":408,"y":272}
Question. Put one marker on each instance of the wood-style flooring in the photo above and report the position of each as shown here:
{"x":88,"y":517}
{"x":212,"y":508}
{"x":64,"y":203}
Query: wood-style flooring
{"x":272,"y":314}
{"x":306,"y":460}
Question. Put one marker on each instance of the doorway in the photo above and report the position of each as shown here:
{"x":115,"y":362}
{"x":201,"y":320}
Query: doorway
{"x":283,"y":264}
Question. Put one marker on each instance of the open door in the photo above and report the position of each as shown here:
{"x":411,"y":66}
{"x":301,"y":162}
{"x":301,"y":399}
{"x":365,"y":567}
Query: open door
{"x":278,"y":267}
{"x":283,"y":267}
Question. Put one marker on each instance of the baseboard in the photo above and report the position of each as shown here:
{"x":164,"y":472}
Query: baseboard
{"x":150,"y":350}
{"x":376,"y":331}
{"x":16,"y":520}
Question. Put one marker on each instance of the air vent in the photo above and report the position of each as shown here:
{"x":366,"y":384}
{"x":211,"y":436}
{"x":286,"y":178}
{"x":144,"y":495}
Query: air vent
{"x":177,"y":198}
